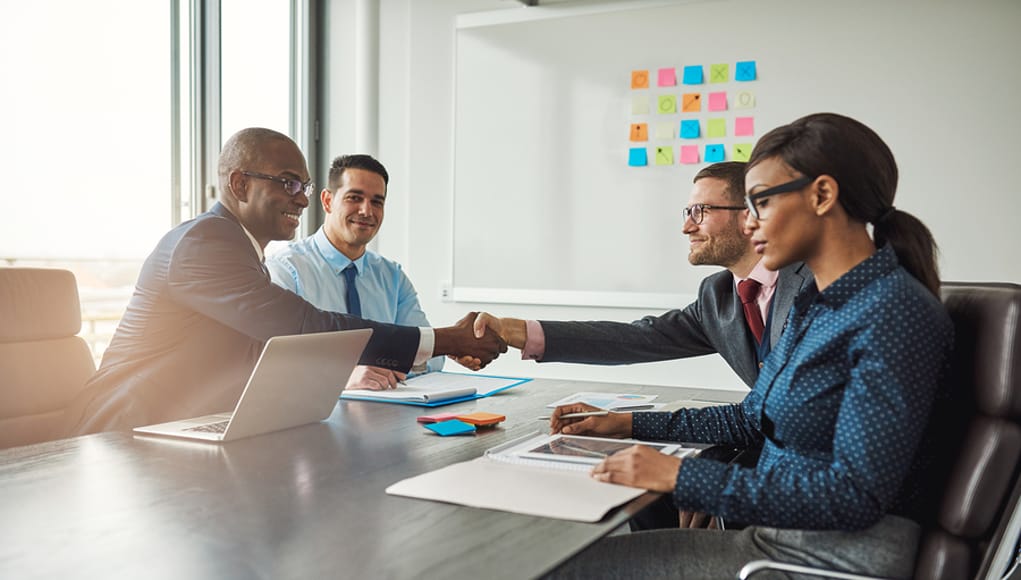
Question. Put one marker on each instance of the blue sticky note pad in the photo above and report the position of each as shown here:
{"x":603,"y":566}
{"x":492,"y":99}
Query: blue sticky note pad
{"x":745,"y":71}
{"x":690,"y":129}
{"x":638,"y":157}
{"x":693,"y":75}
{"x":713,"y":153}
{"x":452,"y":427}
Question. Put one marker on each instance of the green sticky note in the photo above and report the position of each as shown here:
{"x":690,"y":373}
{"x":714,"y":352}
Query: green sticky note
{"x":742,"y":151}
{"x":716,"y":128}
{"x":667,"y":104}
{"x":719,"y":73}
{"x":664,"y":155}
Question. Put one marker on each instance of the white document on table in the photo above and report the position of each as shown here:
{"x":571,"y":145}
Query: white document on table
{"x":438,"y":386}
{"x":504,"y":480}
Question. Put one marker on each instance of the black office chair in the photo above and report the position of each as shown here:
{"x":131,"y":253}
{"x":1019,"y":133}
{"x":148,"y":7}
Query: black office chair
{"x":980,"y":443}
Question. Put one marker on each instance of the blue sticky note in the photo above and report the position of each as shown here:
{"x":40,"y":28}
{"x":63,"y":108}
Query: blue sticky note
{"x":452,"y":427}
{"x":690,"y":129}
{"x":745,"y":71}
{"x":638,"y":157}
{"x":713,"y":153}
{"x":693,"y":75}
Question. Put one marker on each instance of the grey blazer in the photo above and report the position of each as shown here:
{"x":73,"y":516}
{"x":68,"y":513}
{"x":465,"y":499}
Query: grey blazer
{"x":202,"y":309}
{"x":713,"y":323}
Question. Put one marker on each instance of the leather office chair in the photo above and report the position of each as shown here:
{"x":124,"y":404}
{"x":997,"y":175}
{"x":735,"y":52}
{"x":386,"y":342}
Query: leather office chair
{"x":43,"y":365}
{"x":980,"y":441}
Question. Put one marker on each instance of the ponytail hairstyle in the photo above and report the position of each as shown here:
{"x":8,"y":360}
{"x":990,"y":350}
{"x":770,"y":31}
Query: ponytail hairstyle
{"x":864,"y":168}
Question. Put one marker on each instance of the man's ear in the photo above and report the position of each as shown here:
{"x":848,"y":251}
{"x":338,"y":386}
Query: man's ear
{"x":326,"y":198}
{"x":825,"y":194}
{"x":238,"y":186}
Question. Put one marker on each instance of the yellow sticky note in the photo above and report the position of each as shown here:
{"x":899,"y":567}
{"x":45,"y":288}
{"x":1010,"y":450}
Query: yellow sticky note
{"x":691,"y":102}
{"x":665,"y":131}
{"x":664,"y":155}
{"x":719,"y":73}
{"x":640,"y":105}
{"x":744,"y":100}
{"x":639,"y":132}
{"x":667,"y":104}
{"x":742,"y":151}
{"x":716,"y":128}
{"x":639,"y":79}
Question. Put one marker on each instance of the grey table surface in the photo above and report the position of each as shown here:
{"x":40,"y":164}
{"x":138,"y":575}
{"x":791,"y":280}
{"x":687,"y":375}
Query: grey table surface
{"x":302,"y":503}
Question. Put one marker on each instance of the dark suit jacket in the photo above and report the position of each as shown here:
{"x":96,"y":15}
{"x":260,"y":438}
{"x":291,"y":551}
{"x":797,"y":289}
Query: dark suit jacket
{"x":713,"y":323}
{"x":193,"y":330}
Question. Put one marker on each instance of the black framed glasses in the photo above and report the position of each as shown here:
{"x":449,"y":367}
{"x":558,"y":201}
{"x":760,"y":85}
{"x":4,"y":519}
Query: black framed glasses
{"x":292,"y":186}
{"x":754,"y":203}
{"x":696,"y":211}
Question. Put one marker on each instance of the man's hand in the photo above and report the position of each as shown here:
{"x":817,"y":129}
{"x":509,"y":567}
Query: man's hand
{"x":512,"y":330}
{"x":374,"y":378}
{"x":698,"y":520}
{"x":611,"y":425}
{"x":640,"y":466}
{"x":460,"y":341}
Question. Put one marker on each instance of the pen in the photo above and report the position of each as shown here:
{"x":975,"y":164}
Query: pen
{"x":577,"y":415}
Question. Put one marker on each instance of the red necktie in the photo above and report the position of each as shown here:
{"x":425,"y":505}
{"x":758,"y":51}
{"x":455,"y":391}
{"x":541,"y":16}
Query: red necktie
{"x":748,"y":290}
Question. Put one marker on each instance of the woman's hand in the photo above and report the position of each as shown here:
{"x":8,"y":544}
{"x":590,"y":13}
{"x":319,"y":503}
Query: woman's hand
{"x":640,"y":466}
{"x":610,"y":425}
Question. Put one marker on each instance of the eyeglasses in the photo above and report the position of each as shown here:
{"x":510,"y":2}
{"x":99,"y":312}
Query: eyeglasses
{"x":292,"y":186}
{"x":755,"y":205}
{"x":697,"y":211}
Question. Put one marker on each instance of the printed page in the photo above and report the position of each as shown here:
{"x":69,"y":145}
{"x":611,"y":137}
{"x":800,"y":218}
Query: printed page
{"x":610,"y":401}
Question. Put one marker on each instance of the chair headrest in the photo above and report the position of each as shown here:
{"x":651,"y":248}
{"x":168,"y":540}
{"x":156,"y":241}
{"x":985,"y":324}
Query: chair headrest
{"x":38,"y":304}
{"x":987,"y":349}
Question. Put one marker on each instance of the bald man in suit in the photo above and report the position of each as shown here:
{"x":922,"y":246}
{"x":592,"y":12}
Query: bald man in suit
{"x":204,"y":305}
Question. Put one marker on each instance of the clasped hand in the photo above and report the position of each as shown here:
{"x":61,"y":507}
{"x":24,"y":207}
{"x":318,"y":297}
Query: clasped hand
{"x":467,"y":347}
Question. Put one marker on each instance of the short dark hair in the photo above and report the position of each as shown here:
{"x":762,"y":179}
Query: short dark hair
{"x":357,"y":161}
{"x":866,"y":172}
{"x":731,"y":172}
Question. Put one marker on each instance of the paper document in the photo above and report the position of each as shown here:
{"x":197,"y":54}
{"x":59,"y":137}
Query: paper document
{"x":505,"y":479}
{"x":438,"y":388}
{"x":610,"y":401}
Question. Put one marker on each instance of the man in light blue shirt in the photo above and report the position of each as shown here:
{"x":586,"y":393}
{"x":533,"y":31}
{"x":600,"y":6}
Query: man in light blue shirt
{"x":316,"y":268}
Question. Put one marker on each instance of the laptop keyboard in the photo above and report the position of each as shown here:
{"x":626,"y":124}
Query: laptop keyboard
{"x":218,"y":427}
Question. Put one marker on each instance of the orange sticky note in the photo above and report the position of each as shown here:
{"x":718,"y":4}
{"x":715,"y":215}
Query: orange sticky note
{"x":691,"y":102}
{"x":639,"y":79}
{"x":639,"y":132}
{"x":482,"y":419}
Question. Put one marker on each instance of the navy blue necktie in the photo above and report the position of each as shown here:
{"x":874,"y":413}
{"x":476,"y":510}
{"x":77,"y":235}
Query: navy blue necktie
{"x":354,"y":305}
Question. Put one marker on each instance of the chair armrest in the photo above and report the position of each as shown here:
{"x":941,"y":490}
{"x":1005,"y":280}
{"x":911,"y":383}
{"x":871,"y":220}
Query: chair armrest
{"x":755,"y":566}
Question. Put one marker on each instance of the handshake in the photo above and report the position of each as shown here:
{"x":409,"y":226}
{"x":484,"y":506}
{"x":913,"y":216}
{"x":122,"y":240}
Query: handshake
{"x":478,"y":338}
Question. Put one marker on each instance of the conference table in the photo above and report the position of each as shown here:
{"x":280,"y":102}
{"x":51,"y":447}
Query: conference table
{"x":307,"y":502}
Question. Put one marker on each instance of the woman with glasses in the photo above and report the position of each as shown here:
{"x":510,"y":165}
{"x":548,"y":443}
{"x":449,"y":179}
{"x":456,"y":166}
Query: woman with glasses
{"x":842,"y":405}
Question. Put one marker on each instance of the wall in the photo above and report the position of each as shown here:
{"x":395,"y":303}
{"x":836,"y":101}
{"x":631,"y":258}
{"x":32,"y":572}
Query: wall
{"x":971,"y":214}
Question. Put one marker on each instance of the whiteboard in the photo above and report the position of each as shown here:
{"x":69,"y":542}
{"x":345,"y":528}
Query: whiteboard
{"x":546,"y":209}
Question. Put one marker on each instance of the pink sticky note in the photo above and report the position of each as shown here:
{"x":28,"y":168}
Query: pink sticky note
{"x":744,"y":126}
{"x":718,"y":101}
{"x":667,"y":77}
{"x":689,"y":153}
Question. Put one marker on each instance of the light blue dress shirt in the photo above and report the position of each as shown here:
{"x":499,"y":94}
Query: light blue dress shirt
{"x":841,"y":406}
{"x":313,"y":269}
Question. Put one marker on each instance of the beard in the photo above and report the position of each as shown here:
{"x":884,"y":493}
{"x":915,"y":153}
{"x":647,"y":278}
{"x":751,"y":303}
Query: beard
{"x":719,"y":251}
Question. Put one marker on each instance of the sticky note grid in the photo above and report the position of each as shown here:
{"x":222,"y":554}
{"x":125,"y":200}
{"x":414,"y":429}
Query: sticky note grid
{"x":691,"y":114}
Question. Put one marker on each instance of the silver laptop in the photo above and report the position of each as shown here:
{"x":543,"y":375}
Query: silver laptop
{"x":296,"y":381}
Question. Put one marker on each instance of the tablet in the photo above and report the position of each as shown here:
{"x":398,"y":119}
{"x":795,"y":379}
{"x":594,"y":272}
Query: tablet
{"x":591,"y":450}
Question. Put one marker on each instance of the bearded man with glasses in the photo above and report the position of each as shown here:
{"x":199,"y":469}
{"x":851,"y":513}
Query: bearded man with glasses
{"x":742,"y":331}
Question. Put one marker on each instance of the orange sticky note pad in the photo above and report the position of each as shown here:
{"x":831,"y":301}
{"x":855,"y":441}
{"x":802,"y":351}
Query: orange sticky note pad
{"x":639,"y":79}
{"x":639,"y":132}
{"x":482,"y":419}
{"x":691,"y":102}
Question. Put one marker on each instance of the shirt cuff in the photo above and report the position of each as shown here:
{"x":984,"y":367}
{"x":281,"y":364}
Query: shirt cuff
{"x":535,"y":341}
{"x":652,"y":425}
{"x":426,"y":343}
